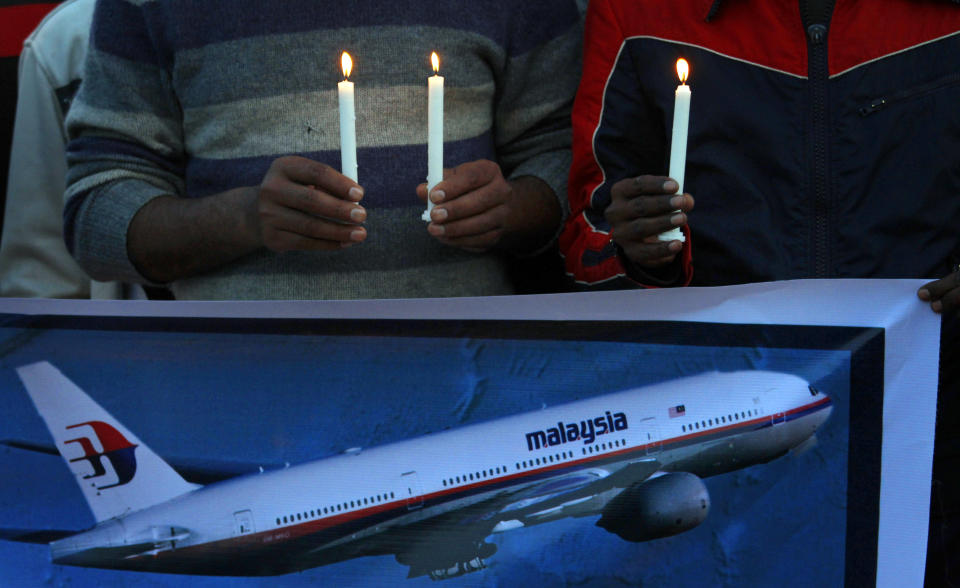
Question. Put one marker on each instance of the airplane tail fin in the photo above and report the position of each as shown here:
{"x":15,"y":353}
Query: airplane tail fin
{"x":116,"y":472}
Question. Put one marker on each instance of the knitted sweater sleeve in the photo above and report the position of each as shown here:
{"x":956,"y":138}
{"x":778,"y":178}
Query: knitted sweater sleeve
{"x":535,"y":95}
{"x":126,"y":140}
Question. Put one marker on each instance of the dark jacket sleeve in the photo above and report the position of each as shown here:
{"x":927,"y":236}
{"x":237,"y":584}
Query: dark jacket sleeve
{"x":604,"y":152}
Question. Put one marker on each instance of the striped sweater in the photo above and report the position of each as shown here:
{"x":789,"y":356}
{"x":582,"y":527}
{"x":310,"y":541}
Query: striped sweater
{"x":192,"y":98}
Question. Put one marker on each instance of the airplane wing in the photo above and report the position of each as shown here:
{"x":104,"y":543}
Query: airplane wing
{"x":443,"y":544}
{"x":41,"y":536}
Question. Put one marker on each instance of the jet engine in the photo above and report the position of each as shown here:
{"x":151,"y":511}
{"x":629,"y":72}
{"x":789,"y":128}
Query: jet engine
{"x":658,"y":507}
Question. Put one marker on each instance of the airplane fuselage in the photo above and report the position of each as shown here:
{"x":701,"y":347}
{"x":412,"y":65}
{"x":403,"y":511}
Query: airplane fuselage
{"x":498,"y":473}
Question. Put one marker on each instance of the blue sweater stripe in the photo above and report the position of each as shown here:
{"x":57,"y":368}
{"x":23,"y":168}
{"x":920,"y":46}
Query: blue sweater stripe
{"x":392,"y":173}
{"x":220,"y":21}
{"x":83,"y":148}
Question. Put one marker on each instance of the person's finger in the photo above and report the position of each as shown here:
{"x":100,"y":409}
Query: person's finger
{"x":476,"y":202}
{"x":647,"y":206}
{"x":278,"y":221}
{"x":318,"y":203}
{"x":475,"y":242}
{"x":644,"y":186}
{"x":465,"y":178}
{"x":475,"y":224}
{"x":286,"y":241}
{"x":652,"y":254}
{"x":422,"y":188}
{"x":936,"y":289}
{"x":948,"y":303}
{"x":640,"y":229}
{"x":326,"y":179}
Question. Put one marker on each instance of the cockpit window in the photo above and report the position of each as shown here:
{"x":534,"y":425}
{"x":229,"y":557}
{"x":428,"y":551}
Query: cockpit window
{"x":813,"y":390}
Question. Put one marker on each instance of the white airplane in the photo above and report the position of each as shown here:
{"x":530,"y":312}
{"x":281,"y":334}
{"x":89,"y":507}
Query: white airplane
{"x":635,"y":457}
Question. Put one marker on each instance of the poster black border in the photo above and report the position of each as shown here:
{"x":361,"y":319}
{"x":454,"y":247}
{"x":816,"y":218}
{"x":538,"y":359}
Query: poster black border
{"x":865,"y":344}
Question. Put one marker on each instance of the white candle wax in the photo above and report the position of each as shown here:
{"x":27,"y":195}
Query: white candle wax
{"x":434,"y":135}
{"x":678,"y":148}
{"x":348,"y":123}
{"x":348,"y":131}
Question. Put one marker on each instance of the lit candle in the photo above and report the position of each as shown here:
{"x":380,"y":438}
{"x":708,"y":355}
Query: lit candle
{"x":434,"y":131}
{"x":678,"y":142}
{"x":348,"y":121}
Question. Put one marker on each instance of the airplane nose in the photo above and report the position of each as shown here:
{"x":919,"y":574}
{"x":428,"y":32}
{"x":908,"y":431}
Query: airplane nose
{"x":825,"y":412}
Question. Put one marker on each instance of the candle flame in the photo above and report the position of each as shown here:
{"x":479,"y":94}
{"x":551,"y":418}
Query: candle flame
{"x":683,"y":70}
{"x":435,"y":60}
{"x":347,"y":64}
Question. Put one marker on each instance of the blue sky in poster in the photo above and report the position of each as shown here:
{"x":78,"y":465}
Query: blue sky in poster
{"x":262,"y":398}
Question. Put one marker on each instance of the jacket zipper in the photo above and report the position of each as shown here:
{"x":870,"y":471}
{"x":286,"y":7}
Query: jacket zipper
{"x":878,"y":104}
{"x":818,"y":74}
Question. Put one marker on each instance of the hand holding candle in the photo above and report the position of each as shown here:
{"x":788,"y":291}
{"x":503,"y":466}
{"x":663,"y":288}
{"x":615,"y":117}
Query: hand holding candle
{"x":434,"y":132}
{"x":348,"y":121}
{"x":678,"y":141}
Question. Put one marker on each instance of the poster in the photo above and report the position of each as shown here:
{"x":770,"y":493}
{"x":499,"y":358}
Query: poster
{"x":245,"y":385}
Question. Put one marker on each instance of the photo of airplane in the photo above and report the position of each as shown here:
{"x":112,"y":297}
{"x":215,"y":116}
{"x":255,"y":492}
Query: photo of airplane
{"x":635,"y":458}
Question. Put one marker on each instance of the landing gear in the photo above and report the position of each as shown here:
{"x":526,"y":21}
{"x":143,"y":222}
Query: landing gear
{"x":450,"y":560}
{"x":465,"y":567}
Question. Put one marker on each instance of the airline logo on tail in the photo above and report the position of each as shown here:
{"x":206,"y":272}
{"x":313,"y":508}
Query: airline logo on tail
{"x":116,"y":448}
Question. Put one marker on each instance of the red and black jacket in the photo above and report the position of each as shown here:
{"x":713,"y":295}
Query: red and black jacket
{"x":816,"y":149}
